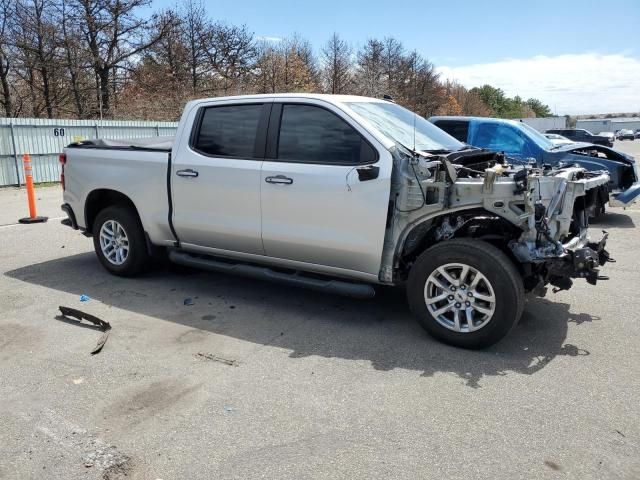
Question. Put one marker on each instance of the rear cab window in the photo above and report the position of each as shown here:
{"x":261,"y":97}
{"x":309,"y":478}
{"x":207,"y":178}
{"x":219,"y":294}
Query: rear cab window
{"x":313,"y":134}
{"x":227,"y":130}
{"x":458,"y":129}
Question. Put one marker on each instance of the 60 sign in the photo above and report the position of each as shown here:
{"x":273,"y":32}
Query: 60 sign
{"x":58,"y":132}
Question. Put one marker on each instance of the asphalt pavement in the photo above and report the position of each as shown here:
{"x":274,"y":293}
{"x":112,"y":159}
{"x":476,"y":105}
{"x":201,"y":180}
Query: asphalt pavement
{"x":253,"y":380}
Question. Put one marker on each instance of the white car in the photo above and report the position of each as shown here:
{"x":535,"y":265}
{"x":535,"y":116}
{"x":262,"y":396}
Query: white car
{"x":339,"y":193}
{"x":558,"y":139}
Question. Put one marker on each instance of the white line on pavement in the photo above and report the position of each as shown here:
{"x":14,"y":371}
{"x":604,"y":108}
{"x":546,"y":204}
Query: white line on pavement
{"x":18,"y":224}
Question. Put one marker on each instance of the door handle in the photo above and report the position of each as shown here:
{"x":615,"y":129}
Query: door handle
{"x":279,"y":180}
{"x":187,"y":173}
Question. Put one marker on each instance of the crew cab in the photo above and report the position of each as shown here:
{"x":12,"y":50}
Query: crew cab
{"x":522,"y":143}
{"x":340,"y":193}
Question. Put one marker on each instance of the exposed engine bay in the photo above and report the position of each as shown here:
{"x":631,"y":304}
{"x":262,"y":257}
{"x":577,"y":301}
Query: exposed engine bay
{"x":538,"y":216}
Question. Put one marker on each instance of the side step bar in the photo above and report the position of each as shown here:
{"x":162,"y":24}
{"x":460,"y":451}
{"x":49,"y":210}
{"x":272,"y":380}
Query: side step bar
{"x":298,"y":279}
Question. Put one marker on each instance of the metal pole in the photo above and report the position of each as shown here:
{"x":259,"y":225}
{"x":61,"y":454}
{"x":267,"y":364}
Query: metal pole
{"x":97,"y":131}
{"x":157,"y":130}
{"x":15,"y":153}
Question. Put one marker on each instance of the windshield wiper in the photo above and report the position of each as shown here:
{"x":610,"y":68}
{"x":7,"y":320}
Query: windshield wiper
{"x":436,"y":151}
{"x":466,"y":146}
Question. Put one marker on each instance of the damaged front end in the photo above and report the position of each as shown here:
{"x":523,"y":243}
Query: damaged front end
{"x":538,"y":216}
{"x":554,"y":247}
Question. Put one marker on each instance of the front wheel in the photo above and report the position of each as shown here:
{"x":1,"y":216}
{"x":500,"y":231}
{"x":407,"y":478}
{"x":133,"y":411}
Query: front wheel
{"x":466,"y":293}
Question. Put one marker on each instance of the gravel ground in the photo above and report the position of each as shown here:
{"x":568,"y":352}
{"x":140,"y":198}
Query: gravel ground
{"x":257,"y":381}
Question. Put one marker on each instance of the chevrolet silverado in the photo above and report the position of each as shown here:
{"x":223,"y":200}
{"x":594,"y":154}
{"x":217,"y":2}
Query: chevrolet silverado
{"x":340,"y":193}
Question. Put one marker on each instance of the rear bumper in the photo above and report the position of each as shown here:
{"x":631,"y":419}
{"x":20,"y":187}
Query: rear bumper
{"x":70,"y":221}
{"x":626,"y":197}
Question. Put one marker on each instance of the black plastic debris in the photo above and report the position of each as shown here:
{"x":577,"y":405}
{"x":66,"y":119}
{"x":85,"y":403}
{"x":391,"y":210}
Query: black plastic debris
{"x":188,"y":301}
{"x":71,"y":315}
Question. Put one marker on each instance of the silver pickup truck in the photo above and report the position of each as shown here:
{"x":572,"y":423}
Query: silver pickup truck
{"x":340,"y":193}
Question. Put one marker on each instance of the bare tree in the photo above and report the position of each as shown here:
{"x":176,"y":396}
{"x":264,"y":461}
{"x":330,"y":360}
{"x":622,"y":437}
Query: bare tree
{"x":393,"y":54}
{"x":76,"y":59}
{"x":230,"y":51}
{"x":337,"y":65}
{"x":172,"y":50}
{"x":36,"y":39}
{"x":267,"y":68}
{"x":417,"y":85}
{"x":86,"y":58}
{"x":304,"y":52}
{"x":113,"y":34}
{"x":287,"y":67}
{"x":6,"y":55}
{"x":299,"y":70}
{"x":370,"y":73}
{"x":195,"y":26}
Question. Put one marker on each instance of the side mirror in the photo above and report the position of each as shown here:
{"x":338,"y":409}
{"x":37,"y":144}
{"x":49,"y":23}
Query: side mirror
{"x":370,"y":172}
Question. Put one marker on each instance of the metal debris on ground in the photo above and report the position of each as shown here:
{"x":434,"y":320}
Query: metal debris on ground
{"x":71,"y":315}
{"x":226,"y":361}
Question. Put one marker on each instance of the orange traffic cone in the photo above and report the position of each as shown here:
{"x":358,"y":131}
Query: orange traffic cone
{"x":31,"y":194}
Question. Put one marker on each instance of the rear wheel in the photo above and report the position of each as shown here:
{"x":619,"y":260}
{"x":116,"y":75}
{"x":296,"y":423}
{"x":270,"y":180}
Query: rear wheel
{"x":118,"y":239}
{"x":465,"y":293}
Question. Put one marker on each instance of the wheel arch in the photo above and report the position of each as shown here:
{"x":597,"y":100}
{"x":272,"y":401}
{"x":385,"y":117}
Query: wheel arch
{"x":471,"y":223}
{"x":101,"y":198}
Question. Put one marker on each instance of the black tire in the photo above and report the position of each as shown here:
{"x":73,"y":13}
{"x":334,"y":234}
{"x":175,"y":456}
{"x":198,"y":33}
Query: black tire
{"x":498,"y":269}
{"x":137,"y":259}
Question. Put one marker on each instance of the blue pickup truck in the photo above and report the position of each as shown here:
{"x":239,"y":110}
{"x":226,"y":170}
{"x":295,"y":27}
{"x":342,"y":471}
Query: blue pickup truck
{"x":522,"y":143}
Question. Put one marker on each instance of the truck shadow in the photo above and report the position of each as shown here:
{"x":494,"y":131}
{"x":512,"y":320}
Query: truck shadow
{"x":381,"y":331}
{"x":611,"y":219}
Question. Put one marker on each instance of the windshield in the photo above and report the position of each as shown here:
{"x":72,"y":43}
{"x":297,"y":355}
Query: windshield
{"x":405,"y":127}
{"x":538,"y":138}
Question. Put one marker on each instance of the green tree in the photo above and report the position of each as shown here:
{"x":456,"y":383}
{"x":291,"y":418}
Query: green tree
{"x":539,"y":108}
{"x":492,"y":97}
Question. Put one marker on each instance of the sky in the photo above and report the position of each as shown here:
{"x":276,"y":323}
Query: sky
{"x":576,"y":56}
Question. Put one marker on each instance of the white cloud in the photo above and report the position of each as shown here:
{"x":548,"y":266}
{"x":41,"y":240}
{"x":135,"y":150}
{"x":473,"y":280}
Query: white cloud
{"x":569,"y":84}
{"x":270,"y":39}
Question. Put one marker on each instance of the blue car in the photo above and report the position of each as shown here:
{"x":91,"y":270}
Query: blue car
{"x":522,"y":143}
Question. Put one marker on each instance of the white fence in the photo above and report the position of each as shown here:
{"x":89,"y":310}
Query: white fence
{"x":542,"y":124}
{"x":44,"y":140}
{"x":609,"y":124}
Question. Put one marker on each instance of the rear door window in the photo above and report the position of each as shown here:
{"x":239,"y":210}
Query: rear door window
{"x":315,"y":135}
{"x":458,"y":129}
{"x":228,"y":131}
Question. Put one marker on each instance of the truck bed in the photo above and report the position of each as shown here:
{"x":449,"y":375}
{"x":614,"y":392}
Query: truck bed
{"x":138,"y":168}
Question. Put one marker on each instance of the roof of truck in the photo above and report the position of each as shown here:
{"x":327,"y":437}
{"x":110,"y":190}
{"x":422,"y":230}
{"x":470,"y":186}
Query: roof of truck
{"x":319,"y":96}
{"x":463,"y":118}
